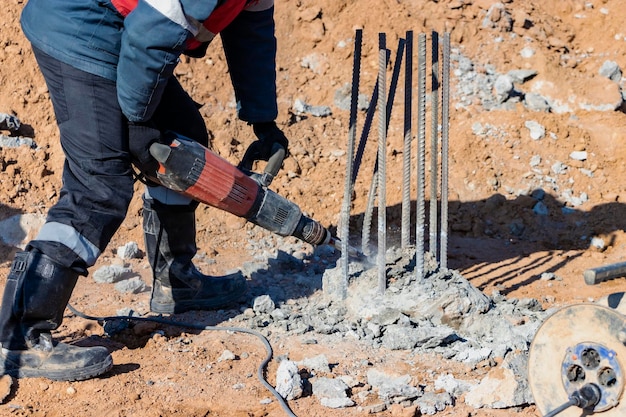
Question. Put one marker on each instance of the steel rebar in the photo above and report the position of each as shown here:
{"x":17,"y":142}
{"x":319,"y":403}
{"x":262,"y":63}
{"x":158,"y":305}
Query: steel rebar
{"x":406,"y":156}
{"x":347,"y":197}
{"x":445,"y":123}
{"x":367,"y":126}
{"x":421,"y":158}
{"x":382,"y":164}
{"x":367,"y":218}
{"x":434,"y":143}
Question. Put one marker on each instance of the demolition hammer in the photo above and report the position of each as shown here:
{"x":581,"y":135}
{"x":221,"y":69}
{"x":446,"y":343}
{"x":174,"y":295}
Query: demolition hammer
{"x":193,"y":170}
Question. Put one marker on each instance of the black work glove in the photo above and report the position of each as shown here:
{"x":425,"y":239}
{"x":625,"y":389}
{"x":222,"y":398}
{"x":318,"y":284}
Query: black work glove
{"x":198,"y":52}
{"x":140,"y":136}
{"x":268,"y":134}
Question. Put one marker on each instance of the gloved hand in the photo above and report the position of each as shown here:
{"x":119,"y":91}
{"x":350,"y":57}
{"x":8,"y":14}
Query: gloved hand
{"x":268,"y":134}
{"x":140,"y":137}
{"x":197,"y":52}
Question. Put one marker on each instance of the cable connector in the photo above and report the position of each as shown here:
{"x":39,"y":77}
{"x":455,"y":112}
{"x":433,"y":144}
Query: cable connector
{"x":587,"y":397}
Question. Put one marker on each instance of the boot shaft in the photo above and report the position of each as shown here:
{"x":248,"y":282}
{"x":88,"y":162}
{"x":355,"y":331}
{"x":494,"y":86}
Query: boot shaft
{"x":170,"y":238}
{"x":35,"y":296}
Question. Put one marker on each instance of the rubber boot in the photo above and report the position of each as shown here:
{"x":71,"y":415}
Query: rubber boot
{"x":170,"y":237}
{"x":35,"y":297}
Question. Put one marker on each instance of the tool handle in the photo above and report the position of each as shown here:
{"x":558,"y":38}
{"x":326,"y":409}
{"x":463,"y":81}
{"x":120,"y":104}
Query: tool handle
{"x":600,"y":274}
{"x":274,"y":162}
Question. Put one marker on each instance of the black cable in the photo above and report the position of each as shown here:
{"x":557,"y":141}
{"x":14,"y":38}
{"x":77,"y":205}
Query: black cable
{"x":266,"y":343}
{"x":563,"y":407}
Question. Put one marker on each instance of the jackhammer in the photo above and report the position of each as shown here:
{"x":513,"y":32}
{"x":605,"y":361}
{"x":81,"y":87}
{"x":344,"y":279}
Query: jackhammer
{"x":193,"y":170}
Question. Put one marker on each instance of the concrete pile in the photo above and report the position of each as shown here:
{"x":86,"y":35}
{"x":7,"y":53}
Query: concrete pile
{"x":441,"y":314}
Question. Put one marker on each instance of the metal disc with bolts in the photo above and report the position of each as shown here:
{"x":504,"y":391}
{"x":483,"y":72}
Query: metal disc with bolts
{"x":578,"y":345}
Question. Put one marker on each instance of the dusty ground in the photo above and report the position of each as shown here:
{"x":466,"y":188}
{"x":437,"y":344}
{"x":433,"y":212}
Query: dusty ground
{"x":178,"y":373}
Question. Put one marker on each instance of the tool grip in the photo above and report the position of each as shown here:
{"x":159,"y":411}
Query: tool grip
{"x":600,"y":274}
{"x":274,"y":163}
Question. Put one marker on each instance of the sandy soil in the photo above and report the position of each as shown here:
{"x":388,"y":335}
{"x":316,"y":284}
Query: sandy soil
{"x":177,"y":372}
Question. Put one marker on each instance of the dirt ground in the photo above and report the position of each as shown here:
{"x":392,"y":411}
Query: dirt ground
{"x":174,"y":372}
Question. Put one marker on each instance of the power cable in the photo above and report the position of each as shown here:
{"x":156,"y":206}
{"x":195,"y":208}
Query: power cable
{"x":260,"y":371}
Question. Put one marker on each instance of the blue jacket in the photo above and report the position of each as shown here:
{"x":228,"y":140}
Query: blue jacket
{"x":140,"y":47}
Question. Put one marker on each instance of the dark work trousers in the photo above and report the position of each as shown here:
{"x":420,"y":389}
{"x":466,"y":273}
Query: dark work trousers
{"x":98,"y":174}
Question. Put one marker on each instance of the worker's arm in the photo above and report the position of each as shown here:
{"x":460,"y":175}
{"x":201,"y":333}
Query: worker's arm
{"x":250,"y":48}
{"x":155,"y":34}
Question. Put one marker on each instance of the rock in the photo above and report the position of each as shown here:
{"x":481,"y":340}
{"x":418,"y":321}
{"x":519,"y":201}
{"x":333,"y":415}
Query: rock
{"x":503,"y":87}
{"x":611,"y":70}
{"x":18,"y":230}
{"x":503,"y":387}
{"x":263,"y":304}
{"x":527,"y":52}
{"x":541,"y":209}
{"x":558,"y":167}
{"x":396,"y":388}
{"x":537,"y":131}
{"x":319,"y":111}
{"x":453,"y":386}
{"x":6,"y":382}
{"x":401,"y":337}
{"x":375,"y":408}
{"x":279,"y":314}
{"x":473,"y":355}
{"x":317,"y":363}
{"x":227,"y":355}
{"x":598,"y":243}
{"x":129,"y":251}
{"x":318,"y":63}
{"x":16,"y":141}
{"x":332,"y":392}
{"x":9,"y":122}
{"x":386,"y":316}
{"x":521,"y":75}
{"x":536,"y":102}
{"x":336,"y":402}
{"x":431,"y":403}
{"x":110,"y":274}
{"x":578,"y":155}
{"x":288,"y":380}
{"x":498,"y":17}
{"x":133,"y":285}
{"x":538,"y":194}
{"x":343,"y":100}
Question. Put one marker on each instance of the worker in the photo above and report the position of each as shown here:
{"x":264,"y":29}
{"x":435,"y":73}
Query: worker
{"x":108,"y":65}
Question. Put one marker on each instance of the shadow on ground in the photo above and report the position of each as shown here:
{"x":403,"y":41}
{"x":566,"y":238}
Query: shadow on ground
{"x":499,"y":235}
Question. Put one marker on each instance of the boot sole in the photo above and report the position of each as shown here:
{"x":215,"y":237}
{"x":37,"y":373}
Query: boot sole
{"x":60,"y":374}
{"x":183,"y":306}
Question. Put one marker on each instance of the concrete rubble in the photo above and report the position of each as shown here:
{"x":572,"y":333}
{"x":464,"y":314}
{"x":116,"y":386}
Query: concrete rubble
{"x":12,"y":124}
{"x":441,"y":314}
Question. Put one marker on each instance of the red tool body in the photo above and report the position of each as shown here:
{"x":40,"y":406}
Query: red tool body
{"x":195,"y":171}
